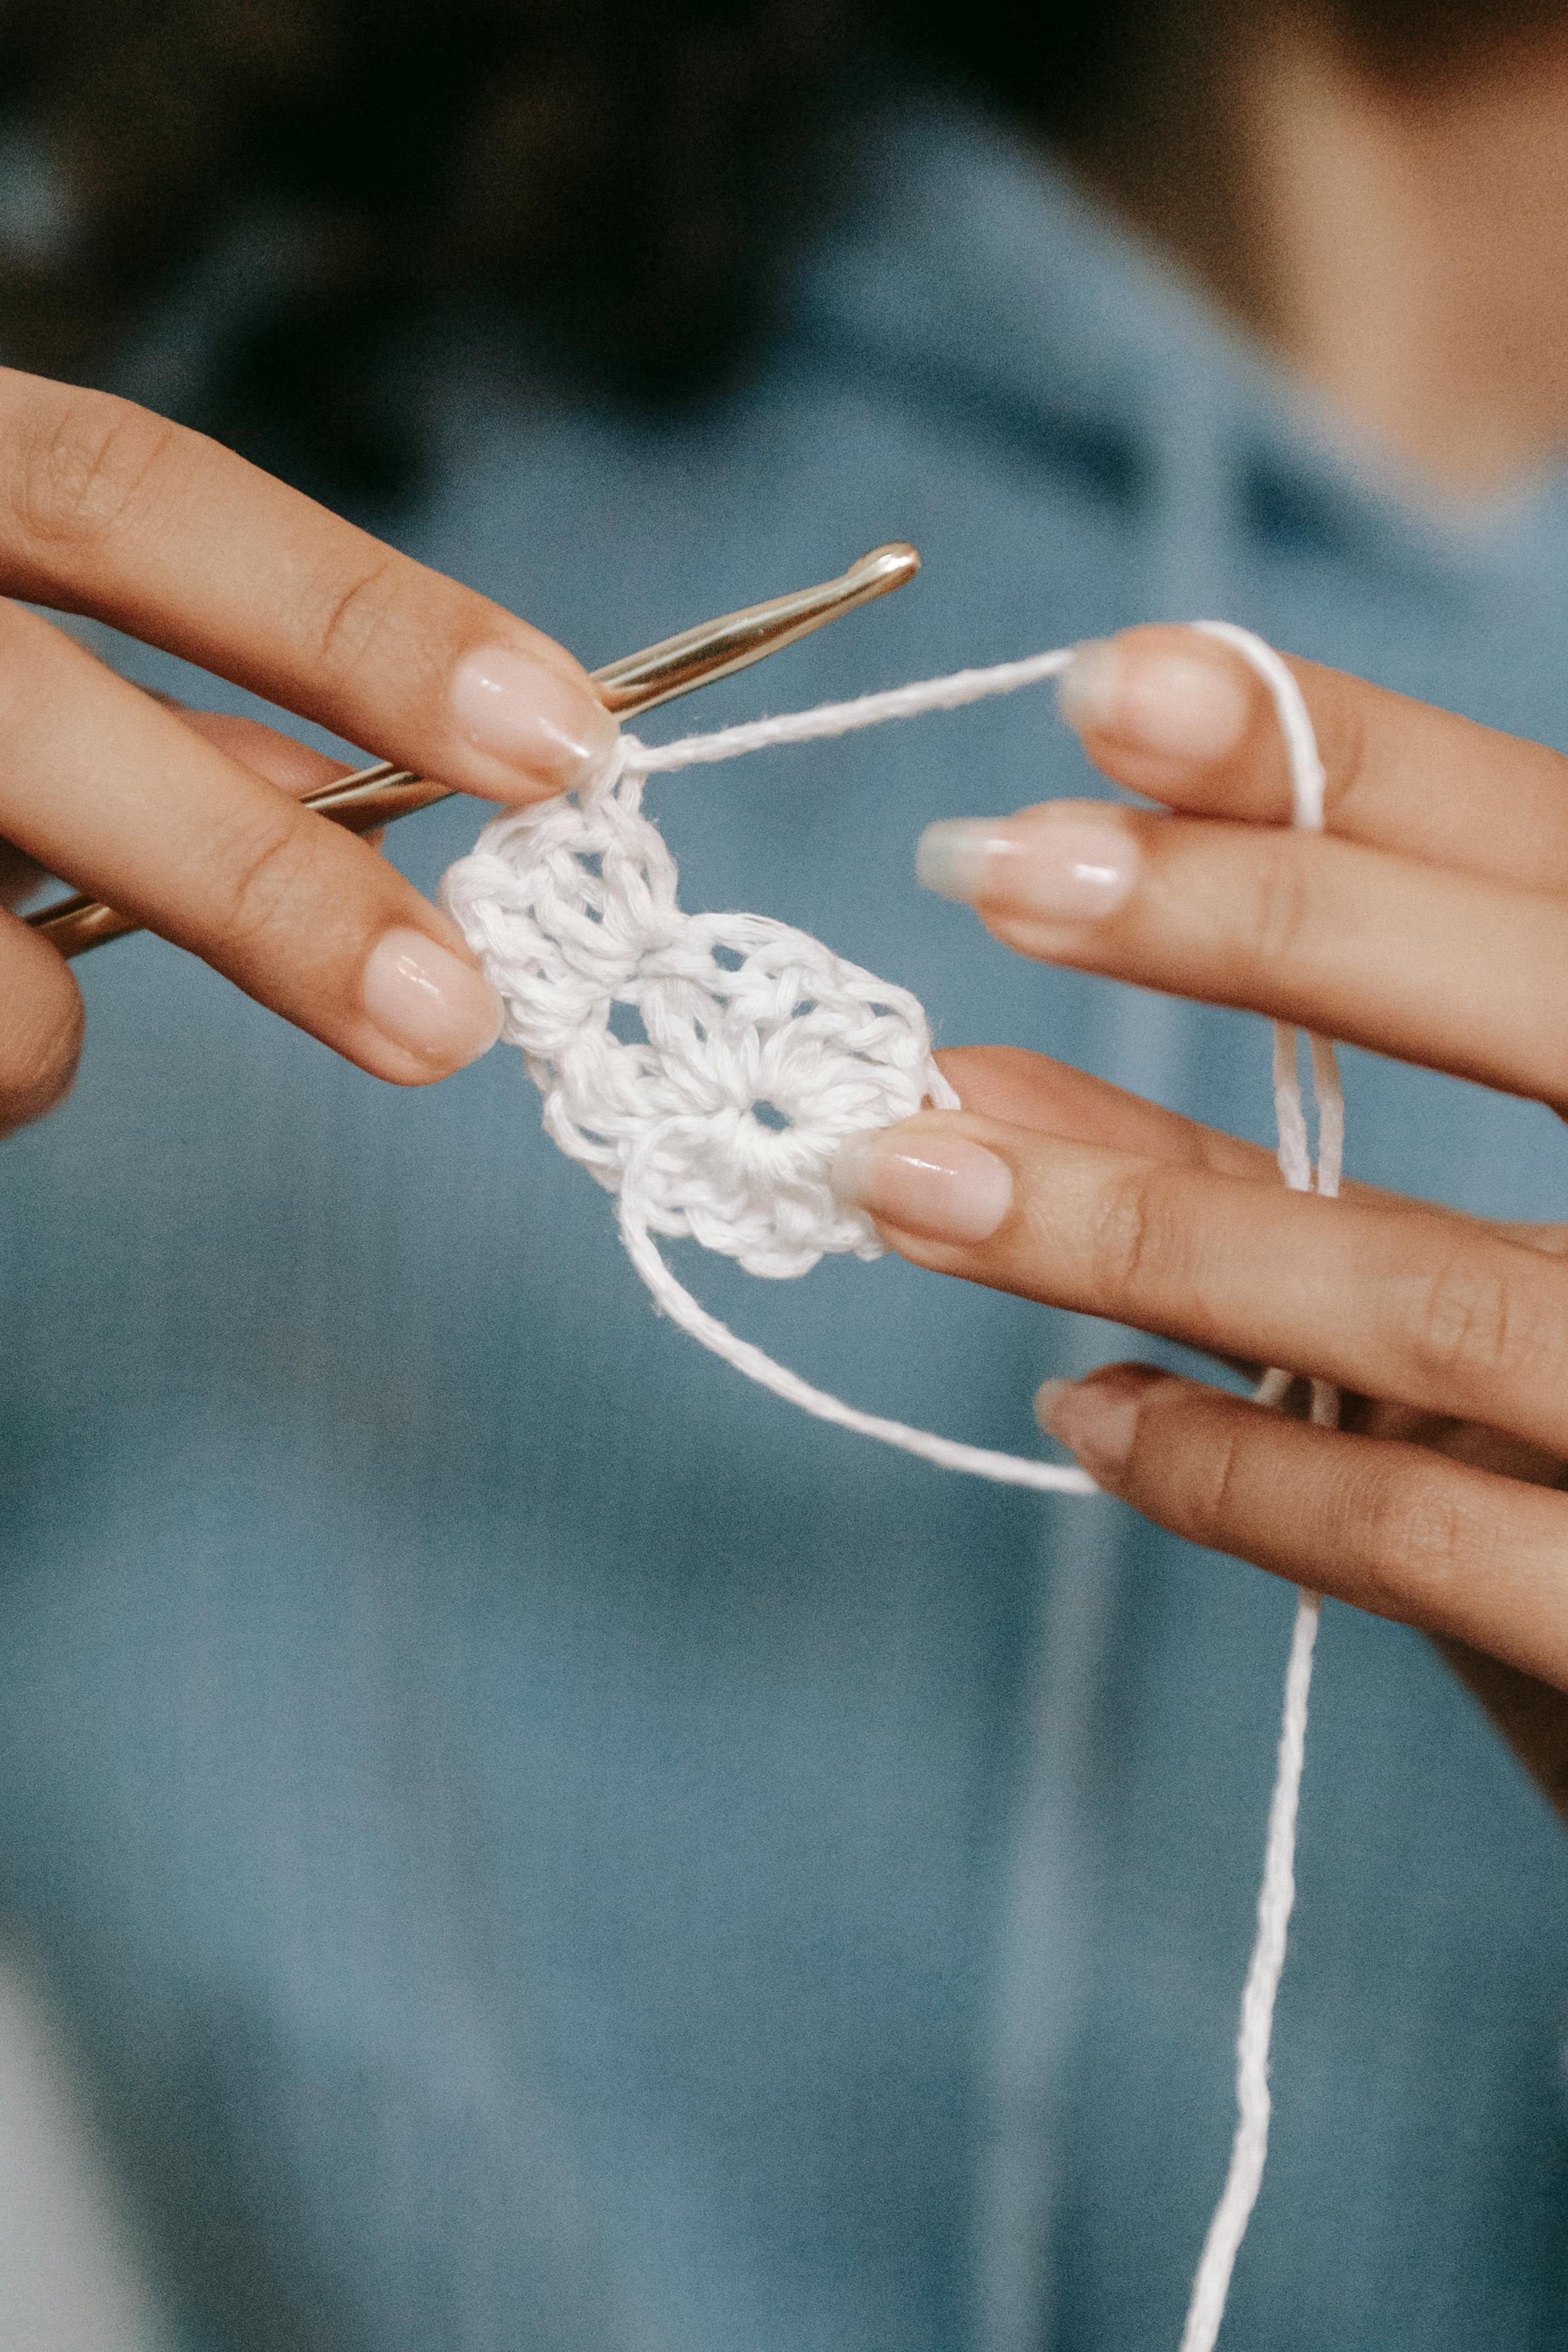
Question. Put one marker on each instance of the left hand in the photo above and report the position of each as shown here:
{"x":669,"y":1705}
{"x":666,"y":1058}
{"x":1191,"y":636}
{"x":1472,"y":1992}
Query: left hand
{"x":1429,"y":921}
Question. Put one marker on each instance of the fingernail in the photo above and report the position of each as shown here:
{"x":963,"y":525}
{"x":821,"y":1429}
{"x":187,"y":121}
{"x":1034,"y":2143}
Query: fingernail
{"x":1096,"y":1419}
{"x":1177,"y":705}
{"x":941,"y":1187}
{"x":1071,"y":866}
{"x":428,"y":1001}
{"x":532,"y":716}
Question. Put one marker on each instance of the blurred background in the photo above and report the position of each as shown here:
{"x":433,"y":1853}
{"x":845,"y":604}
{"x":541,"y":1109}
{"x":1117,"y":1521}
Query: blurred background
{"x":501,"y":1870}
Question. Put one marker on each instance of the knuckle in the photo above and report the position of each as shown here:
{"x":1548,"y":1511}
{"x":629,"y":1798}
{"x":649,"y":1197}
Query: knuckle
{"x":268,"y":874}
{"x":86,"y":467}
{"x":1411,"y":1536}
{"x":356,"y":616}
{"x":1476,"y":1327}
{"x":1275,"y":914}
{"x":1138,"y":1238}
{"x":1210,"y":1477}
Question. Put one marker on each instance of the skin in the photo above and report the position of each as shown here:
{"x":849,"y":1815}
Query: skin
{"x":191,"y":825}
{"x":1429,"y":921}
{"x":1394,"y":241}
{"x":1402,"y":246}
{"x":1395,"y":238}
{"x":1406,"y":929}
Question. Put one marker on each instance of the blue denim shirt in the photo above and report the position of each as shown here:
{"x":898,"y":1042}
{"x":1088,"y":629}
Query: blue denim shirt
{"x":544,"y":1849}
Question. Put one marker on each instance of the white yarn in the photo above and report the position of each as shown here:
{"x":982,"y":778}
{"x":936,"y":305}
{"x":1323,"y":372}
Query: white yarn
{"x":1275,"y":1900}
{"x":1277,"y":1895}
{"x":571,"y":908}
{"x":848,"y":717}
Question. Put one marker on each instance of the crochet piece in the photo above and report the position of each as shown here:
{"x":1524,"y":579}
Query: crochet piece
{"x":705,"y":1069}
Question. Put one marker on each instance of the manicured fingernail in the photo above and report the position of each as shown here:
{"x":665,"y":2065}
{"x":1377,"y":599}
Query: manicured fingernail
{"x":429,"y":1001}
{"x":941,"y":1187}
{"x":1174,"y":704}
{"x":1072,"y":865}
{"x":1096,"y":1419}
{"x":534,"y":718}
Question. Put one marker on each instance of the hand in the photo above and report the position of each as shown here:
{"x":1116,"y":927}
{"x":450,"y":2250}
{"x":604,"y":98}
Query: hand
{"x":1430,"y":921}
{"x":108,"y":511}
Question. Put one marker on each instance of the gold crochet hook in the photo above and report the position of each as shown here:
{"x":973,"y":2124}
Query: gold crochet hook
{"x":379,"y":795}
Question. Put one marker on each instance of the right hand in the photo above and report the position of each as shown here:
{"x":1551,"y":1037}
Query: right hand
{"x":1427,"y":922}
{"x":189,"y":822}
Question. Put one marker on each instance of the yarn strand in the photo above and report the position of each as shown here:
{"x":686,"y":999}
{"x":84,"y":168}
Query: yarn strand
{"x":1275,"y":1900}
{"x":847,"y":718}
{"x":947,"y":1453}
{"x":571,"y":909}
{"x":1277,"y":1895}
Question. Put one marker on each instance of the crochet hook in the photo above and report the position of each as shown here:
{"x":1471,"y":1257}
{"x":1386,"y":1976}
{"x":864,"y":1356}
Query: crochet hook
{"x":376,"y":796}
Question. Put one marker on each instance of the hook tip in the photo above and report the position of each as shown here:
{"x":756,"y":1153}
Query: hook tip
{"x":889,"y":566}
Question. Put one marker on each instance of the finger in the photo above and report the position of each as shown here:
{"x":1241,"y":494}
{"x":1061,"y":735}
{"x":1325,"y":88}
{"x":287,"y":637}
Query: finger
{"x":109,"y":511}
{"x":40,"y":1026}
{"x":293,"y":767}
{"x":1025,"y":1089}
{"x":1183,"y":719}
{"x":1389,"y":1527}
{"x":1414,"y":960}
{"x":1391,"y":1302}
{"x":101,"y":785}
{"x":1019,"y":1088}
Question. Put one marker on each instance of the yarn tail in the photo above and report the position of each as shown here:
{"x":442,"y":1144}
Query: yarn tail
{"x":1007,"y":1469}
{"x":1277,"y":1895}
{"x":1276,"y":1898}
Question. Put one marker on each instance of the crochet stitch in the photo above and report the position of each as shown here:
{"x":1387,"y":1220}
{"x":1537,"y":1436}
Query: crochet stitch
{"x":705,"y":1069}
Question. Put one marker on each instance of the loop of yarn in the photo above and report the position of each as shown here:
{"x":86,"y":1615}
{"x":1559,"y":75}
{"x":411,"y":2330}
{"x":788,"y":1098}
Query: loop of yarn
{"x":760,"y":1052}
{"x":760,"y":1049}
